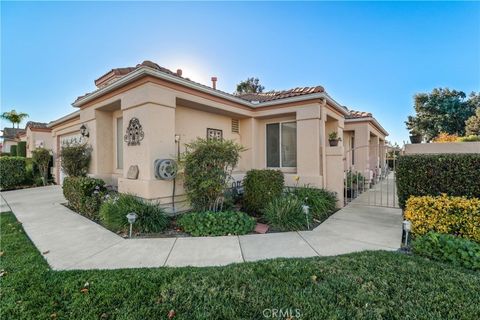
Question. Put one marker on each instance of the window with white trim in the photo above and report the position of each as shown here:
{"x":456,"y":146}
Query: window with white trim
{"x":119,"y":143}
{"x":281,"y":145}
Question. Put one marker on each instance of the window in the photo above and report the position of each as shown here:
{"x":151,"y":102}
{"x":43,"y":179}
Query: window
{"x":119,"y":143}
{"x":281,"y":145}
{"x":353,"y":150}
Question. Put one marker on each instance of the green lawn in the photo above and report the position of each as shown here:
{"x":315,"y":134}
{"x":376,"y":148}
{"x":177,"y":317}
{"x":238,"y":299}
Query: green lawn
{"x":363,"y":285}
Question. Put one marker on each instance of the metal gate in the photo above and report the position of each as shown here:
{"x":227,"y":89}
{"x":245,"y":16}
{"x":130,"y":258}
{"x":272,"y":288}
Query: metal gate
{"x":369,"y":176}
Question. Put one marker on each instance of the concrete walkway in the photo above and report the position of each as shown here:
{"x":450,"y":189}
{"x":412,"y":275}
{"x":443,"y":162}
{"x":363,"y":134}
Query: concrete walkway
{"x":69,"y":241}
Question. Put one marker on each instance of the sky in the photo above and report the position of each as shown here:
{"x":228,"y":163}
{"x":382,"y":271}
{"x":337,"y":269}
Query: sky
{"x":369,"y":56}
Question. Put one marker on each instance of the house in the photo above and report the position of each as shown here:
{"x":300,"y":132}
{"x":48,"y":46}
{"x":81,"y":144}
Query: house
{"x":9,"y":137}
{"x":140,"y":114}
{"x":37,"y":135}
{"x":364,"y":144}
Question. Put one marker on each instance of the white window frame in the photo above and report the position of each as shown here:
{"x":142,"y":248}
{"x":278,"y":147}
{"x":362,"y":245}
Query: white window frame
{"x":280,"y":142}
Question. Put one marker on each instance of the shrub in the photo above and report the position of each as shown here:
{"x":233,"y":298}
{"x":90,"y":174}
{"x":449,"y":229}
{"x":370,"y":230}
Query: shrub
{"x":75,"y":158}
{"x":423,"y":175}
{"x":13,"y":151}
{"x":472,"y":125}
{"x":322,"y":203}
{"x":41,"y":157}
{"x":454,"y":215}
{"x":261,"y":187}
{"x":443,"y":247}
{"x":470,"y":138}
{"x":84,"y":195}
{"x":216,"y":223}
{"x":12,"y":172}
{"x":150,"y":217}
{"x":353,"y":179}
{"x":286,"y":214}
{"x":22,"y":149}
{"x":208,"y":165}
{"x":445,"y":137}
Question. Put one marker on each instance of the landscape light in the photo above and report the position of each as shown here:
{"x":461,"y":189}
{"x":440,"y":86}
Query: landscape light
{"x":132,"y":216}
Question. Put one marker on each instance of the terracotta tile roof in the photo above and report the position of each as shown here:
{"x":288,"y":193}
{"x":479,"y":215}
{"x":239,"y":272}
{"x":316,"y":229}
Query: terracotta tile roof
{"x":36,"y":125}
{"x":10,"y":133}
{"x":260,"y":97}
{"x":275,"y":95}
{"x":353,"y":114}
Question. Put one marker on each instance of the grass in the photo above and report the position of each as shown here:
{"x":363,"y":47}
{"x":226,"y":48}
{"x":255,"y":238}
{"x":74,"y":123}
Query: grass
{"x":362,"y":285}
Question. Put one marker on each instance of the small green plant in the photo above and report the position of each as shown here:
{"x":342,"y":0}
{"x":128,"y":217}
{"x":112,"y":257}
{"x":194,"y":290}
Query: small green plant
{"x":322,"y":203}
{"x":470,"y":138}
{"x":208,"y":164}
{"x":150,"y":217}
{"x":220,"y":223}
{"x":286,"y":214}
{"x":41,"y":157}
{"x":261,"y":187}
{"x":84,"y":195}
{"x":75,"y":158}
{"x":334,"y":136}
{"x":354,"y":179}
{"x":449,"y":248}
{"x":12,"y":172}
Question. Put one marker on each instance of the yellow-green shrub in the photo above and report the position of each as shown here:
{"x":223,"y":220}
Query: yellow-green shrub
{"x":443,"y":214}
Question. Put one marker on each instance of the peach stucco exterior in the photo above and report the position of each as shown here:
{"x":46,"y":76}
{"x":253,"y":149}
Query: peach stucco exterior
{"x":173,"y":113}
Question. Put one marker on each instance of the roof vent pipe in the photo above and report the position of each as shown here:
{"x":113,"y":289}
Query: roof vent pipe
{"x":179,"y":72}
{"x":214,"y":83}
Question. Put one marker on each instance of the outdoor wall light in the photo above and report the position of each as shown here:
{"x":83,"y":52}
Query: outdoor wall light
{"x":406,"y":227}
{"x":306,"y":210}
{"x":131,"y":217}
{"x":84,"y":131}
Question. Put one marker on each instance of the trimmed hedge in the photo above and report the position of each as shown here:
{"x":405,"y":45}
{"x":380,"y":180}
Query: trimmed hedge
{"x":261,"y":187}
{"x":220,"y":223}
{"x":150,"y":217}
{"x":448,"y":248}
{"x":12,"y":172}
{"x":84,"y":195}
{"x":452,"y":174}
{"x":22,"y":149}
{"x":13,"y":151}
{"x":454,"y":215}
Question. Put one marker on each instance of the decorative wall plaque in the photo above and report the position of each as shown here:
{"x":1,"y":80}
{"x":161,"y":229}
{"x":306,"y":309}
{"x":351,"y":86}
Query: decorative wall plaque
{"x":214,"y":134}
{"x":134,"y":132}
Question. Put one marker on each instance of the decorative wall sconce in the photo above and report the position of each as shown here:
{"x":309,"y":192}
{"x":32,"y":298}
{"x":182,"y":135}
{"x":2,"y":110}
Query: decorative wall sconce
{"x":134,"y":132}
{"x":84,"y":131}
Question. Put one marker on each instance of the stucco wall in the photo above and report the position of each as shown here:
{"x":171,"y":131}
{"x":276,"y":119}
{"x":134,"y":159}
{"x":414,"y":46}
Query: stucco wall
{"x":448,"y":147}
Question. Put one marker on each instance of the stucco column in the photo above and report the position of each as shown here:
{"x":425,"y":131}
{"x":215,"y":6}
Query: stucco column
{"x":362,"y":151}
{"x":155,"y":110}
{"x":374,"y":152}
{"x":309,"y":147}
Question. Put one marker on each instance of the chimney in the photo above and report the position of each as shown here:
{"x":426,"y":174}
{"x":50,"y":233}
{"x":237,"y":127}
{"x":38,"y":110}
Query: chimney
{"x":179,"y":72}
{"x":214,"y":83}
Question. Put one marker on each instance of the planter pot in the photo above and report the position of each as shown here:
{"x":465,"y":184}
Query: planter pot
{"x":333,"y":143}
{"x":416,"y":139}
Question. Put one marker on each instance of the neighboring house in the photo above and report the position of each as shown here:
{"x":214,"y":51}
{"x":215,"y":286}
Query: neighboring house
{"x":10,"y":138}
{"x":364,"y":143}
{"x":37,"y":135}
{"x":140,"y":114}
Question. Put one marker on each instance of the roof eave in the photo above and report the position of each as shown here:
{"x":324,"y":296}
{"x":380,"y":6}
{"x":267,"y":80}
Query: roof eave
{"x":369,"y":119}
{"x":63,"y":119}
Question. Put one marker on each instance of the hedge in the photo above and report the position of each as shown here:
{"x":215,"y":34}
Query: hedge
{"x":435,"y":174}
{"x":12,"y":172}
{"x":448,"y":248}
{"x":22,"y":149}
{"x":261,"y":187}
{"x":443,"y":214}
{"x":13,"y":151}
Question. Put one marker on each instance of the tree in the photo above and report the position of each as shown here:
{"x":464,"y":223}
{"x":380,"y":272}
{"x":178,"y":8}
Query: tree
{"x":473,"y":124}
{"x":41,"y":157}
{"x":442,"y":110}
{"x":14,"y":117}
{"x":251,"y":85}
{"x":75,"y":158}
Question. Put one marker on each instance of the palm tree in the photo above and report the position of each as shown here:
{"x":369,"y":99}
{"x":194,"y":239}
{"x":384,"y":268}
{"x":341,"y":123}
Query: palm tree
{"x":14,"y":117}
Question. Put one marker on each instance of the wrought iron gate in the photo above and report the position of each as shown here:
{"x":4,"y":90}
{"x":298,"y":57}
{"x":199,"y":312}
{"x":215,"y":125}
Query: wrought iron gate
{"x":369,"y":176}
